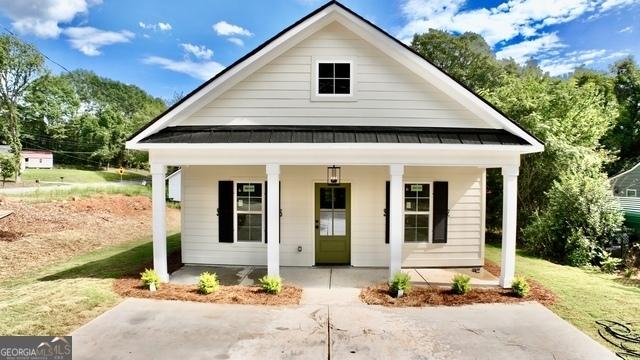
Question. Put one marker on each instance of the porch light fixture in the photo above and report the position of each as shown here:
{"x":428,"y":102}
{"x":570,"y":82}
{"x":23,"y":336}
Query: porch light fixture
{"x":333,"y":175}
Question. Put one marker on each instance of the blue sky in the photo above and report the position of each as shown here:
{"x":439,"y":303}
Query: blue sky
{"x":168,"y":47}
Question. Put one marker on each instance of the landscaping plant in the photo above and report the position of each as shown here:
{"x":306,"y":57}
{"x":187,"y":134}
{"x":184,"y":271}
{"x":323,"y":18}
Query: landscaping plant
{"x":630,"y":272}
{"x":609,"y":264}
{"x":150,"y":279}
{"x":461,"y":284}
{"x":400,"y":284}
{"x":520,"y":286}
{"x":271,"y":284}
{"x":208,"y":283}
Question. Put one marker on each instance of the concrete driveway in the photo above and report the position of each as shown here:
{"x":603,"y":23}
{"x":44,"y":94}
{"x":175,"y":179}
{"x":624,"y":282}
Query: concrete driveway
{"x":152,"y":329}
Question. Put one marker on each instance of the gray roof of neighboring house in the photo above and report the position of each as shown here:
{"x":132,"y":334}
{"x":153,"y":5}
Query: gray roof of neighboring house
{"x":332,"y":134}
{"x":629,"y":179}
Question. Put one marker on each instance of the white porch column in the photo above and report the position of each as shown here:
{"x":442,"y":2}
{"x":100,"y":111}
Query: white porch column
{"x":158,"y":173}
{"x":273,"y":219}
{"x":509,"y":224}
{"x":396,"y":227}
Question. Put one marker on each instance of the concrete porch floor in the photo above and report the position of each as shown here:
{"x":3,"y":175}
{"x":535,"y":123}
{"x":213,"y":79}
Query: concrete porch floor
{"x":330,"y":285}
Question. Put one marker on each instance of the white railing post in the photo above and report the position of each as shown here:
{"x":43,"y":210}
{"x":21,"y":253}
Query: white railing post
{"x":273,"y":219}
{"x":509,"y":224}
{"x":158,"y":173}
{"x":396,"y":223}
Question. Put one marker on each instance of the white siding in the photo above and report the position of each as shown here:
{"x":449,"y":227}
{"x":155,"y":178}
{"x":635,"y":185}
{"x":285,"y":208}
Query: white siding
{"x":386,"y":92}
{"x":465,"y":231}
{"x":174,"y":185}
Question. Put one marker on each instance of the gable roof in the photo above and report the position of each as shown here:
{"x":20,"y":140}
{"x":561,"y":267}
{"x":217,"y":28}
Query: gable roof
{"x":319,"y":18}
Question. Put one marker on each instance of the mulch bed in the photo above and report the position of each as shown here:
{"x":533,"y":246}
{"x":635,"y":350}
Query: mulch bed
{"x":429,"y":296}
{"x":254,"y":295}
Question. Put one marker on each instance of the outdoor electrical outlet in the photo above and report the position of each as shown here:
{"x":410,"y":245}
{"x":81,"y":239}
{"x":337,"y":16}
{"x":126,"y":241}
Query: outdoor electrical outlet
{"x":299,"y":248}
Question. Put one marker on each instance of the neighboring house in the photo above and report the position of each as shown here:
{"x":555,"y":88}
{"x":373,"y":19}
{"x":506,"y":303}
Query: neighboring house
{"x":36,"y":159}
{"x":334,"y":143}
{"x":174,"y":183}
{"x":626,"y":189}
{"x":32,"y":159}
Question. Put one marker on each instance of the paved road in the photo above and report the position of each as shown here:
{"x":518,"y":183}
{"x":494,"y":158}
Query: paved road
{"x":152,"y":329}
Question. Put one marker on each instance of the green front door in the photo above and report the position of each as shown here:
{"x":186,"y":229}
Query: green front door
{"x":333,"y":224}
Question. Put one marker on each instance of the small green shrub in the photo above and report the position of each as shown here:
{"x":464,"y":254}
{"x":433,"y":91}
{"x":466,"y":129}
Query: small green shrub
{"x":148,"y":277}
{"x":630,"y":272}
{"x":208,"y":283}
{"x":520,"y":286}
{"x":609,"y":264}
{"x":461,"y":284}
{"x":400,"y":281}
{"x":271,"y":284}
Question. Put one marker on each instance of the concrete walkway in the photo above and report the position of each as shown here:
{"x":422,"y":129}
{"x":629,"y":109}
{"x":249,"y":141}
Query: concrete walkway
{"x":153,"y":329}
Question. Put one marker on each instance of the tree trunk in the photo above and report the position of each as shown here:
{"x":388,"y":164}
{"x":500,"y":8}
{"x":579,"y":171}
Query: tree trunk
{"x":13,"y":128}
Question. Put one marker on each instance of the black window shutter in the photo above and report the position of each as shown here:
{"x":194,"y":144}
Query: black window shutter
{"x":386,"y":213}
{"x":440,"y":211}
{"x":264,"y":208}
{"x":225,"y":211}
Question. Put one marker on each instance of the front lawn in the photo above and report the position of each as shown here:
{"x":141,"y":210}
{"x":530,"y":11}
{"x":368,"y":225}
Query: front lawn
{"x":583,"y":296}
{"x":82,"y":176}
{"x":61,"y":297}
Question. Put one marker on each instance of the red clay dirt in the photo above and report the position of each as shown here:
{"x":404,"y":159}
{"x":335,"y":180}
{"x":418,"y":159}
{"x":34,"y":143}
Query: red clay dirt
{"x":37,"y":234}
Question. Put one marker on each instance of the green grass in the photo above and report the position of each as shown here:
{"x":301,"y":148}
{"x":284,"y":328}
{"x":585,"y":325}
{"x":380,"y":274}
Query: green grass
{"x":61,"y":297}
{"x":81,"y":176}
{"x":583,"y":296}
{"x":47,"y":195}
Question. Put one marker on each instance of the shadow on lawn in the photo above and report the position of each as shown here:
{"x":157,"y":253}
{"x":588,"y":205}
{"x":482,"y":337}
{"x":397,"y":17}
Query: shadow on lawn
{"x":628,"y":282}
{"x":129,"y":262}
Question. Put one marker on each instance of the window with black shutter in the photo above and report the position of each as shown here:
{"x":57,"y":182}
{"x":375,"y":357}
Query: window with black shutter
{"x":440,"y":211}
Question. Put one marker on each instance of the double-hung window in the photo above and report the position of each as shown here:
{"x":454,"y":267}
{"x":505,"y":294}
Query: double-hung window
{"x":249,"y":212}
{"x":417,"y":212}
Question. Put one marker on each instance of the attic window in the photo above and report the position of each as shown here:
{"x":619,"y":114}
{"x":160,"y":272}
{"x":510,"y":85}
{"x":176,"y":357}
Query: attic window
{"x":334,"y":78}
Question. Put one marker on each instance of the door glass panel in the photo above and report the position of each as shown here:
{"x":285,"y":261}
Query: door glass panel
{"x":333,"y":215}
{"x":339,"y":223}
{"x":326,"y":222}
{"x":339,"y":198}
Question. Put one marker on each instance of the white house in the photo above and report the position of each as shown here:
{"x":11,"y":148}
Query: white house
{"x":36,"y":159}
{"x":334,"y":143}
{"x":174,"y":185}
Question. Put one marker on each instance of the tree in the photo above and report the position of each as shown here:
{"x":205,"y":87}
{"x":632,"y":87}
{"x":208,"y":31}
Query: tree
{"x":467,"y":57}
{"x":7,"y":167}
{"x":624,"y":137}
{"x":20,"y":65}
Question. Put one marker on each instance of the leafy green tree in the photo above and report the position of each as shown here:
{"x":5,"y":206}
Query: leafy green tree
{"x":7,"y":167}
{"x":20,"y":65}
{"x":582,"y":217}
{"x":466,"y":57}
{"x":624,"y":137}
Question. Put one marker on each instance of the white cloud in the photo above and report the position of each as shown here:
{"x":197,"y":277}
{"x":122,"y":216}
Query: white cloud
{"x":199,"y":51}
{"x":525,"y":50}
{"x":199,"y":70}
{"x":236,"y":41}
{"x":162,"y":26}
{"x":567,"y":63}
{"x":628,"y":29}
{"x":88,"y":40}
{"x":223,"y":28}
{"x":526,"y":18}
{"x":43,"y":17}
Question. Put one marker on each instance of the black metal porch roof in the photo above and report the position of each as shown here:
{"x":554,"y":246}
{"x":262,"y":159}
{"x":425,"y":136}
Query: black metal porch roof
{"x":332,"y":134}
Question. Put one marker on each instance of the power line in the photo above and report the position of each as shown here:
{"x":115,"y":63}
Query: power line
{"x":38,"y":50}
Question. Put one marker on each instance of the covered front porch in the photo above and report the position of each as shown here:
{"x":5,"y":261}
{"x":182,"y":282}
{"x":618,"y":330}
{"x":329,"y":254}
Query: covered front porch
{"x":378,"y":231}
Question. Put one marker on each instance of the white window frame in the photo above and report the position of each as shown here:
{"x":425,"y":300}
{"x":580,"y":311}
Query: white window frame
{"x":235,"y":212}
{"x":315,"y":66}
{"x":404,"y":212}
{"x":628,"y":192}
